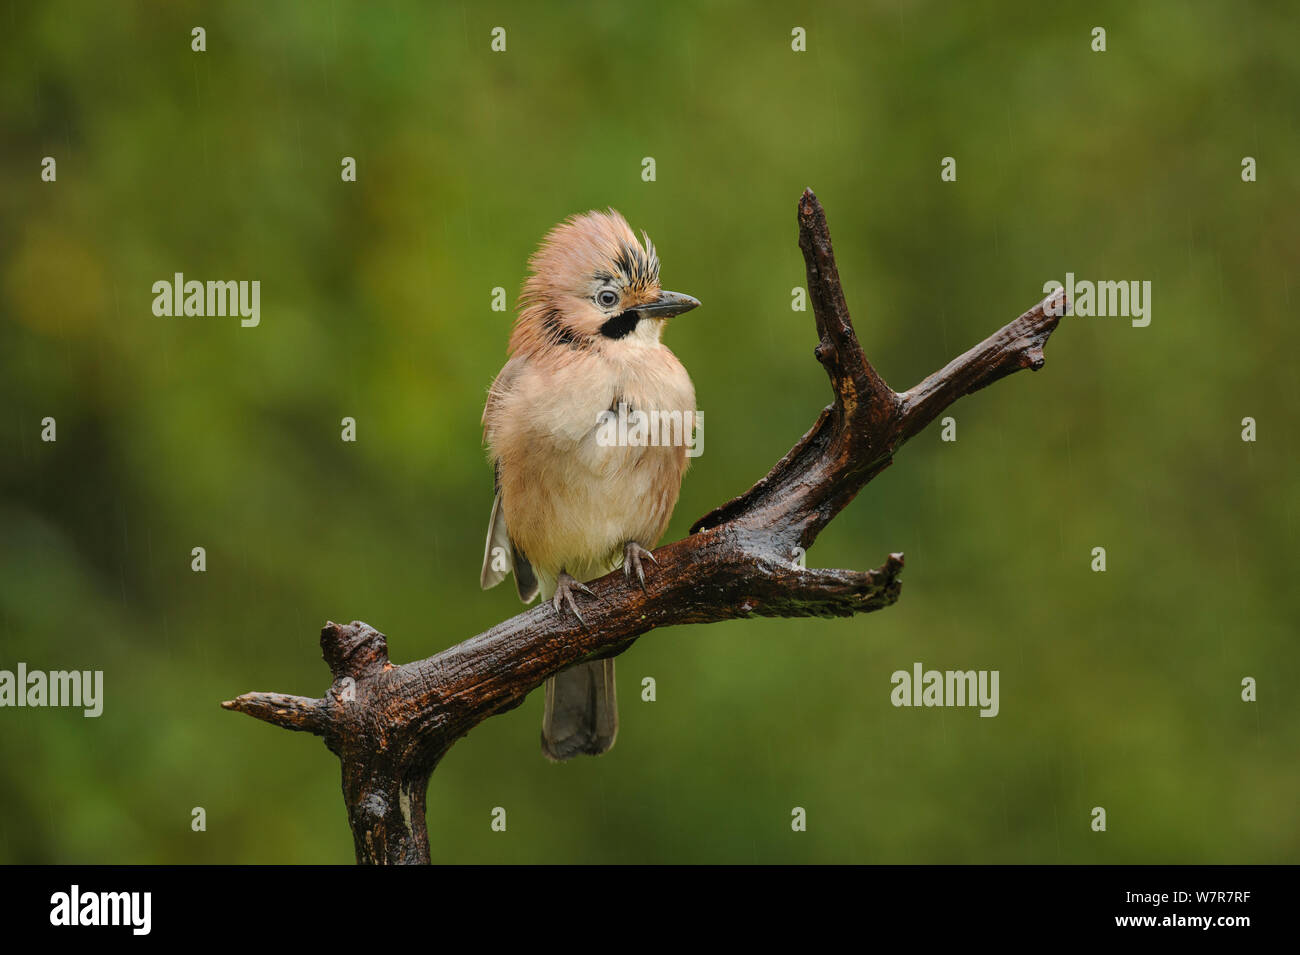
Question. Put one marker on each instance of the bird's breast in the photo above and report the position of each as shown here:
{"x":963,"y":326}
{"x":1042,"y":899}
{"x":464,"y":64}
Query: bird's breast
{"x":591,"y":456}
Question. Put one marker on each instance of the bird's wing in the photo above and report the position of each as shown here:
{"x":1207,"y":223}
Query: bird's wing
{"x":500,"y":556}
{"x":497,"y":551}
{"x":525,"y":578}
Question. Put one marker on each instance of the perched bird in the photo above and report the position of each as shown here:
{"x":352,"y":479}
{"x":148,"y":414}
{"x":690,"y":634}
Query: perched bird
{"x":570,"y":506}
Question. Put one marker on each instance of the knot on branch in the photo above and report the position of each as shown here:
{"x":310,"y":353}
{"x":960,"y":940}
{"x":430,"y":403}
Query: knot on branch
{"x":355,"y":649}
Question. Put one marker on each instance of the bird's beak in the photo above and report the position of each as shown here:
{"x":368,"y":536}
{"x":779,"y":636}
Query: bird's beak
{"x":667,"y":305}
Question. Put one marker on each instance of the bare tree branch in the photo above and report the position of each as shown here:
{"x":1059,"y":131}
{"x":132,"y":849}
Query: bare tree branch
{"x":391,"y":724}
{"x":288,"y":712}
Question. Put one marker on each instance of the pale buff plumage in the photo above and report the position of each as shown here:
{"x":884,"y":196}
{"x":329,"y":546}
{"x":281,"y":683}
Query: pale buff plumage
{"x":565,"y":503}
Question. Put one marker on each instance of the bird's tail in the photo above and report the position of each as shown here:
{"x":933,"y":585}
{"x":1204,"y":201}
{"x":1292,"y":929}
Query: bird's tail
{"x":581,"y":711}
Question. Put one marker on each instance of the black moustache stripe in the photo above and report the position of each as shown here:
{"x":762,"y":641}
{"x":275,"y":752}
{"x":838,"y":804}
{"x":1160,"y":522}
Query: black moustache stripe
{"x":621,"y":325}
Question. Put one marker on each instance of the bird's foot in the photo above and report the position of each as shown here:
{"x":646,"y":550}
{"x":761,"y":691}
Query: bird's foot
{"x":632,"y":555}
{"x":565,"y":585}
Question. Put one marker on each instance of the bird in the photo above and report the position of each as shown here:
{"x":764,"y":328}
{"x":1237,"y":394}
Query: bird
{"x":570,"y":505}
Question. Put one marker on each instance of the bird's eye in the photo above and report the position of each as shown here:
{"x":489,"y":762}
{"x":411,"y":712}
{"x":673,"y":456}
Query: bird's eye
{"x":607,"y":298}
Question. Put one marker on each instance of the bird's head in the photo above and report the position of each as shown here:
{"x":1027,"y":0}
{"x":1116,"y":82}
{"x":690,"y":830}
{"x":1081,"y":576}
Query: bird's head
{"x":593,"y":284}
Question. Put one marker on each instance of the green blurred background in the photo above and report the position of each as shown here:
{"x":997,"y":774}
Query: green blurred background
{"x":1118,"y":689}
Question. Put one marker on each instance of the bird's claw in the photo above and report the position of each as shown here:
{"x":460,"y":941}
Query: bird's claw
{"x":632,"y":554}
{"x":565,"y":585}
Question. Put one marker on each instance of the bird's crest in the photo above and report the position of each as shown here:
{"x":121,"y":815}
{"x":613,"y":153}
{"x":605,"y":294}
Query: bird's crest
{"x":577,"y":259}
